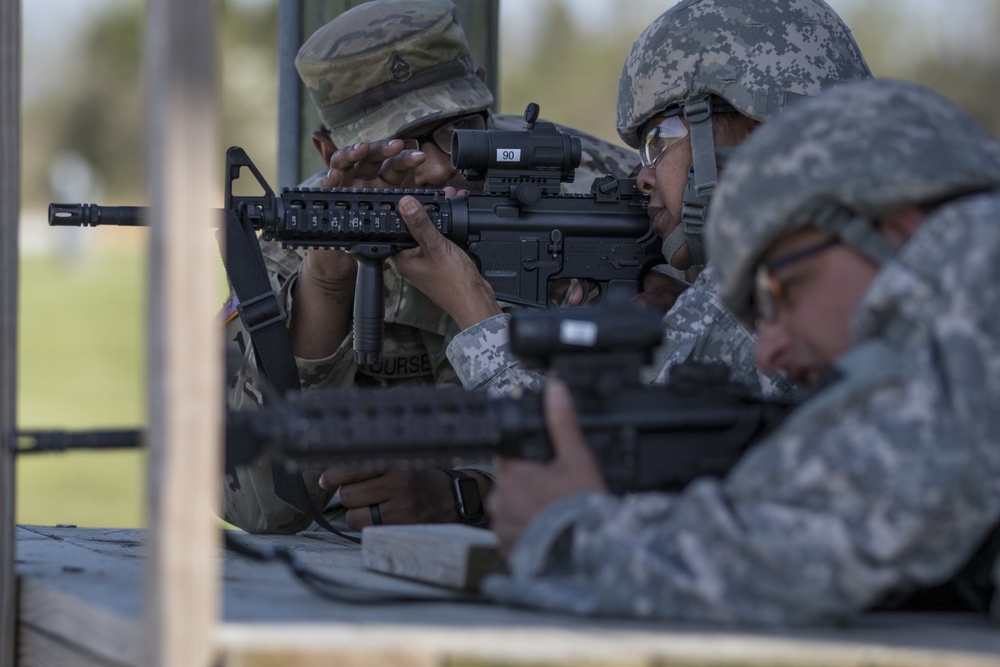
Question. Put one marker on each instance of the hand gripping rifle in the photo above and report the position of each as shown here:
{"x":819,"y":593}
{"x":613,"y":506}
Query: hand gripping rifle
{"x":644,"y":437}
{"x":522,"y":232}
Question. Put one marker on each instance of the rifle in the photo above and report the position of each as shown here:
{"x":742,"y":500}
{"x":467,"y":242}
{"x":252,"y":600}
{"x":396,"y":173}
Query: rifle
{"x":643,"y":437}
{"x":523,"y":234}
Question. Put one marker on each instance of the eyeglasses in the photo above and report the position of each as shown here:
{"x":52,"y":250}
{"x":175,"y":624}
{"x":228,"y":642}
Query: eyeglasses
{"x":768,"y":291}
{"x":442,"y":134}
{"x":660,"y":137}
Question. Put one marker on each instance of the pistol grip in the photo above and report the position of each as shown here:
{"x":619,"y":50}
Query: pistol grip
{"x":369,"y":307}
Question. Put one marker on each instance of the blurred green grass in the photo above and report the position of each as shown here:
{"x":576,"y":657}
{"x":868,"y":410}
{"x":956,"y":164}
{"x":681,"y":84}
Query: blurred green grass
{"x":81,"y":364}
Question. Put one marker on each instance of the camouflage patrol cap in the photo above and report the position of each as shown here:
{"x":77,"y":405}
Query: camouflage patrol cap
{"x":839,"y":162}
{"x":386,"y":66}
{"x":755,"y":55}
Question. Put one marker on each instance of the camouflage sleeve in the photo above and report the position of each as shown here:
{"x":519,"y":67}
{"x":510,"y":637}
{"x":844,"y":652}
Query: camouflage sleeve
{"x":700,"y":328}
{"x":482,"y":358}
{"x":248,"y":498}
{"x":815,"y":524}
{"x":249,"y":501}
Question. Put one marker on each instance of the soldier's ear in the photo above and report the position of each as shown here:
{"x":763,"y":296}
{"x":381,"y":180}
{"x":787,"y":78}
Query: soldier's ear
{"x":324,"y":145}
{"x":481,"y":73}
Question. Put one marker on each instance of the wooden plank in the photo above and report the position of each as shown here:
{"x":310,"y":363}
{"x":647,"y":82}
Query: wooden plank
{"x":38,"y":649}
{"x":441,"y":646}
{"x":10,"y":200}
{"x":79,"y":594}
{"x":92,"y":576}
{"x":184,"y":351}
{"x":59,"y":629}
{"x":450,"y":555}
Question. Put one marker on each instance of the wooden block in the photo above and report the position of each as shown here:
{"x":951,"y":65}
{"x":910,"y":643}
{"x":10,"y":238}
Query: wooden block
{"x":445,"y":554}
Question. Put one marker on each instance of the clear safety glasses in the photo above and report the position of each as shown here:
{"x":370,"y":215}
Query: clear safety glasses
{"x":660,"y":137}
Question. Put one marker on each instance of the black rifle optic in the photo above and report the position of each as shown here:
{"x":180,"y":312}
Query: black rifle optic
{"x":644,"y":437}
{"x":522,"y":232}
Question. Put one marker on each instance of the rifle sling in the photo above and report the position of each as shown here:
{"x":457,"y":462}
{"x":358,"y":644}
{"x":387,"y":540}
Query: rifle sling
{"x":263,"y":316}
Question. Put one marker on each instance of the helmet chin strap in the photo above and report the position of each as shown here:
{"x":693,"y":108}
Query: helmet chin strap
{"x":706,"y":160}
{"x":858,"y":231}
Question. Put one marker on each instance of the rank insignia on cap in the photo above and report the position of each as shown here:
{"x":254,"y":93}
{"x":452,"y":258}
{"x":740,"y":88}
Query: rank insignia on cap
{"x":399,"y":69}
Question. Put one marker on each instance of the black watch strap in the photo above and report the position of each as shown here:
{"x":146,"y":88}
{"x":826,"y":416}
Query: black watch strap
{"x":468,"y":500}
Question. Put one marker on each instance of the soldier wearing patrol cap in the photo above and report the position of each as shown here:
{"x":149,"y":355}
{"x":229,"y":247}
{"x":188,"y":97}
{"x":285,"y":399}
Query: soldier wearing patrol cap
{"x":858,"y":230}
{"x":391,"y":81}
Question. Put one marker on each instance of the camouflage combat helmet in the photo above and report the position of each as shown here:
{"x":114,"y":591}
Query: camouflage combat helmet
{"x":386,"y":66}
{"x":754,"y":57}
{"x":839,"y":162}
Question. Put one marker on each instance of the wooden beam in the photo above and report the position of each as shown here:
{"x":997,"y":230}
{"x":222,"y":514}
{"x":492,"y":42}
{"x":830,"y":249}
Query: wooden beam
{"x":445,"y":554}
{"x":185,"y":386}
{"x":10,"y":204}
{"x":481,"y":21}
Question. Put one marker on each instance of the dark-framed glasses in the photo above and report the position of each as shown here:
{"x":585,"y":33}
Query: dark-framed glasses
{"x":442,"y":134}
{"x":768,"y":292}
{"x":660,"y":137}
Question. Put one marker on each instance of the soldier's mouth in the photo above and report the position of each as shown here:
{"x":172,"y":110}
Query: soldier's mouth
{"x":660,"y":218}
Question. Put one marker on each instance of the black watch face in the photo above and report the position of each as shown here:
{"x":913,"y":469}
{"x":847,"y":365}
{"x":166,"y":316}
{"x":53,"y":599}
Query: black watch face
{"x":470,"y":504}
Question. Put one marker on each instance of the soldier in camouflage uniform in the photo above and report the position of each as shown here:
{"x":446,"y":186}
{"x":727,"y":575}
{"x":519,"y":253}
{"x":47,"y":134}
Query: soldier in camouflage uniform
{"x":859,"y":231}
{"x":697,"y":82}
{"x":381,"y":72}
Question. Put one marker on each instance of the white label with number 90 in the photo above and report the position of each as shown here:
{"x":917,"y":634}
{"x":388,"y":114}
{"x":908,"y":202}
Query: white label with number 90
{"x":508,"y":155}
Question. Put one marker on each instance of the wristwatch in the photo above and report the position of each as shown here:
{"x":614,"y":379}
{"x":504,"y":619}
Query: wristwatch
{"x":467,"y":499}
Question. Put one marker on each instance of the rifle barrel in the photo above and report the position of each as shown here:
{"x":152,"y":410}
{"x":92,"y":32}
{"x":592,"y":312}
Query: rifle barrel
{"x":92,"y":215}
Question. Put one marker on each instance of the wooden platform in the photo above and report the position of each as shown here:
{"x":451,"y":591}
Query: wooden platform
{"x":80,"y":602}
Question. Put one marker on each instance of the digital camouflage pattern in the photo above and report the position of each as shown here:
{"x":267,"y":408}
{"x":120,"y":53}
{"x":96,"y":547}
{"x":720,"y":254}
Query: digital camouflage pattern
{"x":698,"y":328}
{"x":384,"y":67}
{"x":883,"y":482}
{"x":811,"y":168}
{"x":417,"y":333}
{"x":374,"y":72}
{"x":483,"y":360}
{"x":416,"y":329}
{"x":758,"y":56}
{"x":701,"y":329}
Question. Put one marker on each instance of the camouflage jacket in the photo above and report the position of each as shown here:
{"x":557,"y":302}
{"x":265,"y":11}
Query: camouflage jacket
{"x":698,"y":328}
{"x":882,"y":482}
{"x":416,"y":336}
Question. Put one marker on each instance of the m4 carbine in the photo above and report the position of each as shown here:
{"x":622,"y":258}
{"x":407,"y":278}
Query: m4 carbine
{"x":523,"y":234}
{"x":643,"y":437}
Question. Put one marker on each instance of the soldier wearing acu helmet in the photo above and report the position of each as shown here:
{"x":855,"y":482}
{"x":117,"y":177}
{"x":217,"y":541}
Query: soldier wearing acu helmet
{"x":858,"y":230}
{"x":391,"y":81}
{"x":698,"y":80}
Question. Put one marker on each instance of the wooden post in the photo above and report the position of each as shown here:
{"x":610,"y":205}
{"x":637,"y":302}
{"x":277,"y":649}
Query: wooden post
{"x":481,"y":22}
{"x":10,"y":204}
{"x":185,"y":377}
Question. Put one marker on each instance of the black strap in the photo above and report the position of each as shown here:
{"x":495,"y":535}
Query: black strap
{"x":263,"y":317}
{"x":262,"y":313}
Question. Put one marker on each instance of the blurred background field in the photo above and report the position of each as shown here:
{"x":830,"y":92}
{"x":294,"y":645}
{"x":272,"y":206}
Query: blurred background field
{"x":82,"y":312}
{"x":81,"y":365}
